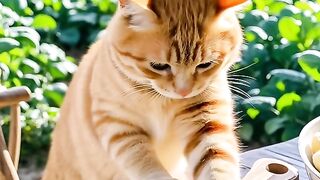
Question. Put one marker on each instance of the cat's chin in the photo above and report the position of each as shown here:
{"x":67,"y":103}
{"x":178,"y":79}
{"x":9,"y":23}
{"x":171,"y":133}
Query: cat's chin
{"x":178,"y":97}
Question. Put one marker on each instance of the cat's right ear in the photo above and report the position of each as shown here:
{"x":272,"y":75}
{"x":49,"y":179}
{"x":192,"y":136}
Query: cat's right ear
{"x":138,"y":15}
{"x":225,"y":4}
{"x":123,"y":3}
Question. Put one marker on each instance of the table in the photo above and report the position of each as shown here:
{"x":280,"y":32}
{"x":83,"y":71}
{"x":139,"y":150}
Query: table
{"x":286,"y":151}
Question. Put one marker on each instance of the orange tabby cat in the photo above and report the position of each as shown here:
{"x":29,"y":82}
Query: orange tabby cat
{"x":150,"y":100}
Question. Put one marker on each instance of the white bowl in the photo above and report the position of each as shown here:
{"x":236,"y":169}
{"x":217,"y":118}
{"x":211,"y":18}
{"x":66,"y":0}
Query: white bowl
{"x":305,"y":139}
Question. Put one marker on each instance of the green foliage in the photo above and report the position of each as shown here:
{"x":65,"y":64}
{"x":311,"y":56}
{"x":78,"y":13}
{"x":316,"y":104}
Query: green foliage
{"x":43,"y":67}
{"x":63,"y":21}
{"x":30,"y":33}
{"x":283,"y":50}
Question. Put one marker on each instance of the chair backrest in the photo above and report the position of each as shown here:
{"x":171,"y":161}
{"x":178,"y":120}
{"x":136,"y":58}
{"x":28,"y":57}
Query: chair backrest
{"x":9,"y":157}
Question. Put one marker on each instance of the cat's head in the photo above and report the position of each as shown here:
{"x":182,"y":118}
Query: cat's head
{"x":178,"y":47}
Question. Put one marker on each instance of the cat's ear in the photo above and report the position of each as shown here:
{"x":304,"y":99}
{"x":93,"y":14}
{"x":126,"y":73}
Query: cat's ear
{"x":123,"y":3}
{"x":224,"y":4}
{"x":138,"y":15}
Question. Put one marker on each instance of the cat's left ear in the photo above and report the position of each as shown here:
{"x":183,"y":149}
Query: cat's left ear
{"x":225,"y":4}
{"x":138,"y":15}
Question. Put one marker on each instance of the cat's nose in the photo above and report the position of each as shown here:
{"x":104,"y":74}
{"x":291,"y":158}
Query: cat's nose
{"x":183,"y":91}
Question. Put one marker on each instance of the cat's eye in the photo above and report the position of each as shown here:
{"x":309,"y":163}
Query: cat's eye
{"x":160,"y":67}
{"x":205,"y":65}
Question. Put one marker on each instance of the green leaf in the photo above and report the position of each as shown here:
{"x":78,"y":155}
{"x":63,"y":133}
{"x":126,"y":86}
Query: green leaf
{"x":287,"y":74}
{"x":58,"y":71}
{"x":274,"y":124}
{"x":291,"y":131}
{"x":287,"y":100}
{"x":290,"y":11}
{"x":246,"y":131}
{"x":53,"y":52}
{"x":254,"y":53}
{"x":29,"y":67}
{"x":290,"y":28}
{"x":6,"y":44}
{"x":70,"y":36}
{"x":16,"y":82}
{"x":85,"y":17}
{"x":104,"y":5}
{"x":16,"y":5}
{"x":4,"y":72}
{"x":253,"y":113}
{"x":270,"y":26}
{"x":262,"y":4}
{"x":31,"y":80}
{"x":310,"y":63}
{"x":45,"y":22}
{"x":253,"y":33}
{"x":317,"y":15}
{"x":305,"y":6}
{"x":69,"y":66}
{"x":5,"y":58}
{"x":262,"y":104}
{"x":281,"y":86}
{"x":276,"y":7}
{"x":18,"y":52}
{"x":26,"y":36}
{"x":312,"y":35}
{"x":260,"y":101}
{"x":55,"y":93}
{"x":283,"y":53}
{"x":2,"y":32}
{"x":253,"y":18}
{"x":104,"y":20}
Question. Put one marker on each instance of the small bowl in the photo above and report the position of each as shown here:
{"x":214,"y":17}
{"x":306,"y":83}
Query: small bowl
{"x":305,"y":139}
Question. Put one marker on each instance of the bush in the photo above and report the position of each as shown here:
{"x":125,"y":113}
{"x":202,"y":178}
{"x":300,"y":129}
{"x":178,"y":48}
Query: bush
{"x":43,"y":67}
{"x":282,"y":54}
{"x":28,"y":57}
{"x":67,"y":23}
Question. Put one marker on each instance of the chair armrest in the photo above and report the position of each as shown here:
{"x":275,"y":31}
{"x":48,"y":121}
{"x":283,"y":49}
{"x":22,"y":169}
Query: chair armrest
{"x":14,"y":95}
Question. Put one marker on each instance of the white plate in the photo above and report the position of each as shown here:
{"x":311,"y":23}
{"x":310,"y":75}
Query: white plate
{"x":305,"y":139}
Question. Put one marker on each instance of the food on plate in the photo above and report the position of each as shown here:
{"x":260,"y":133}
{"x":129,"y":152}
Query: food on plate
{"x":315,"y":149}
{"x":315,"y":144}
{"x":316,"y":160}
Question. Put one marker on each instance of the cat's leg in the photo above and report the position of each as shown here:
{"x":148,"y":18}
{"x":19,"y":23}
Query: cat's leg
{"x":212,"y":146}
{"x":129,"y":146}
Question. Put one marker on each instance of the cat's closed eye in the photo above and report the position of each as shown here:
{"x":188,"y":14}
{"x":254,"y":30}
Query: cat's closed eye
{"x":205,"y":66}
{"x":160,"y":66}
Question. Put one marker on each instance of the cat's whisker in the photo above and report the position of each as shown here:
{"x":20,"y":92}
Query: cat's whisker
{"x":137,"y":87}
{"x":238,"y":80}
{"x":133,"y":91}
{"x":242,"y":69}
{"x":240,"y":91}
{"x":151,"y":95}
{"x":148,"y":92}
{"x":241,"y":76}
{"x":239,"y":83}
{"x":236,"y":113}
{"x":158,"y":97}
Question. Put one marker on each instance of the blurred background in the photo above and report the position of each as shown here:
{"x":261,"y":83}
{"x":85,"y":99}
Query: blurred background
{"x":276,"y":84}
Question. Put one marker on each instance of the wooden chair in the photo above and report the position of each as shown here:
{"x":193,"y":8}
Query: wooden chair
{"x":9,"y":157}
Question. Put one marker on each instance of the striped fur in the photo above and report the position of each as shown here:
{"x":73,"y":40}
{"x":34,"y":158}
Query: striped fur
{"x":124,"y":120}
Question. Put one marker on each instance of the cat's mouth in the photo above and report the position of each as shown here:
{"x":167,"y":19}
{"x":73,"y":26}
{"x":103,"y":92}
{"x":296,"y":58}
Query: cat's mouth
{"x":155,"y":92}
{"x":174,"y":95}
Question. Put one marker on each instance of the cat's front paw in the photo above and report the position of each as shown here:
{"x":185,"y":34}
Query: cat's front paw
{"x":167,"y":179}
{"x":219,"y":174}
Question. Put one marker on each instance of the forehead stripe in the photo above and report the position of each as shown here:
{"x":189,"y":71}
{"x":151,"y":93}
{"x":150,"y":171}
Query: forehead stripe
{"x":196,"y":51}
{"x":129,"y":55}
{"x":175,"y":45}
